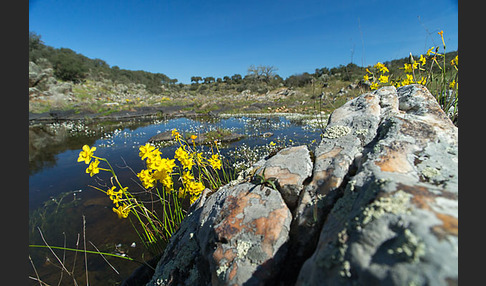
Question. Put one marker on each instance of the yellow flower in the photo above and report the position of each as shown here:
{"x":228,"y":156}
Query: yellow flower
{"x":183,"y":156}
{"x":122,"y":211}
{"x":187,"y":177}
{"x":442,"y":37}
{"x":430,"y":51}
{"x":381,"y":67}
{"x":422,"y":59}
{"x":272,"y":143}
{"x":166,"y":180}
{"x":195,"y":190}
{"x":115,"y":196}
{"x":111,"y":191}
{"x":366,"y":77}
{"x":86,"y":154}
{"x":193,"y":137}
{"x":422,"y":81}
{"x":383,"y":79}
{"x":168,"y":165}
{"x":407,"y":67}
{"x":145,"y":150}
{"x":408,"y":80}
{"x":146,"y":177}
{"x":175,"y":134}
{"x":410,"y":67}
{"x":452,"y":84}
{"x":93,"y":168}
{"x":455,"y":61}
{"x":182,"y":193}
{"x":215,"y":162}
{"x":200,"y":158}
{"x":374,"y":86}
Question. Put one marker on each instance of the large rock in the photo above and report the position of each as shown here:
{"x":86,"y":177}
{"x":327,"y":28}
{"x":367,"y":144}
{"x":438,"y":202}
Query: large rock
{"x":379,"y":205}
{"x":39,"y":76}
{"x":289,"y":168}
{"x":235,"y":236}
{"x":396,"y":217}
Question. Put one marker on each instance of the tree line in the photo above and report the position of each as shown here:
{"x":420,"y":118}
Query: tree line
{"x":71,"y":66}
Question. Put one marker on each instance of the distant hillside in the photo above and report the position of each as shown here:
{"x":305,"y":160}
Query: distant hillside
{"x":71,"y":66}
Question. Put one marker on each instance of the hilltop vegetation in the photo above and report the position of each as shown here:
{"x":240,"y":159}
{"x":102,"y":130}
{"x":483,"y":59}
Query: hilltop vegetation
{"x":93,"y":85}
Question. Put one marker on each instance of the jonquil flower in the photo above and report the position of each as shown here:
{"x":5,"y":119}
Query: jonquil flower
{"x":455,"y":61}
{"x":115,"y":197}
{"x":430,"y":51}
{"x":452,"y":84}
{"x":381,"y":67}
{"x":184,"y":157}
{"x":86,"y":154}
{"x":422,"y":60}
{"x":122,"y":211}
{"x":145,"y":150}
{"x":383,"y":79}
{"x":93,"y":168}
{"x":147,"y":180}
{"x":175,"y":134}
{"x":215,"y":162}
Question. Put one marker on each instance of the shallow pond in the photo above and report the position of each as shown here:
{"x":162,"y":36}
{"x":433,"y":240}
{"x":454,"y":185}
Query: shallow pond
{"x":65,"y":209}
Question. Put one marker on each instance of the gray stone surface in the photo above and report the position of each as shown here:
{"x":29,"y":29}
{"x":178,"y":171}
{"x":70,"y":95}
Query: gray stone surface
{"x":396,"y":221}
{"x":289,"y":168}
{"x":378,"y":205}
{"x":237,"y":236}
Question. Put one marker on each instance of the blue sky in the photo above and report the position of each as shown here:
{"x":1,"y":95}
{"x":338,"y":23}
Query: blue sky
{"x":217,"y":38}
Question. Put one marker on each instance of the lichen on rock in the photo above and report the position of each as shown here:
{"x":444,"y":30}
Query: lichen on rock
{"x":377,"y":207}
{"x":333,"y":132}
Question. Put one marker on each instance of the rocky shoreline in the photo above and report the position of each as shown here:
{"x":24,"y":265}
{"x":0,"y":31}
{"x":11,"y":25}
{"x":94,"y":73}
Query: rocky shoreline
{"x":376,"y":204}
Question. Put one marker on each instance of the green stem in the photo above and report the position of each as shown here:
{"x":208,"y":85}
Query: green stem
{"x":82,"y":250}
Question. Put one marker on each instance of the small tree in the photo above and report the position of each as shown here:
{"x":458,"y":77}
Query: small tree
{"x":35,"y":41}
{"x":264,"y":73}
{"x":196,"y":79}
{"x":209,"y":79}
{"x":236,"y":78}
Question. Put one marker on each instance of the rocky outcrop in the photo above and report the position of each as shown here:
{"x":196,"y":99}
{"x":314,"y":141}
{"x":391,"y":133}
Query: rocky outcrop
{"x":377,"y":203}
{"x":289,"y":168}
{"x":236,"y":235}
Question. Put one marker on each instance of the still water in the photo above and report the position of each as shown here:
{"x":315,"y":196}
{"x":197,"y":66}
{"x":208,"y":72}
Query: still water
{"x":65,"y":209}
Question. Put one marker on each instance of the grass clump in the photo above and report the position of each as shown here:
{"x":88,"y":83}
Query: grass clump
{"x":441,"y":77}
{"x":169,"y":183}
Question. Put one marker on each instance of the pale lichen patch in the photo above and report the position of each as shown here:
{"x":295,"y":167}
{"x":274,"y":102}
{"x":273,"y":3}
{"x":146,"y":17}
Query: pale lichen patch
{"x":222,"y":269}
{"x":430,"y":172}
{"x":396,"y":204}
{"x":242,"y":248}
{"x":336,"y":131}
{"x":409,"y":246}
{"x":361,"y":131}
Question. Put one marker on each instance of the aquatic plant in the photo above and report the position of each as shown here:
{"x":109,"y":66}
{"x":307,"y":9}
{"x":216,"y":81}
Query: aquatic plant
{"x":190,"y":170}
